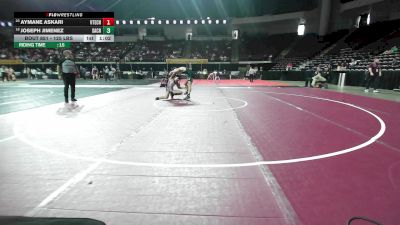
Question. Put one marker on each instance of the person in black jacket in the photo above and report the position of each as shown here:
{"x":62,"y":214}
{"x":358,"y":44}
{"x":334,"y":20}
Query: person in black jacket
{"x":375,"y":71}
{"x":68,"y":70}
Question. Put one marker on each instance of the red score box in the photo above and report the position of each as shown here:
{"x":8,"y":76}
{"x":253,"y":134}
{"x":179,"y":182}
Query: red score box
{"x":108,"y":21}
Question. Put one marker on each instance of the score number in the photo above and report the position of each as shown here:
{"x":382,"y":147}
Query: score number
{"x":108,"y":30}
{"x":108,"y":21}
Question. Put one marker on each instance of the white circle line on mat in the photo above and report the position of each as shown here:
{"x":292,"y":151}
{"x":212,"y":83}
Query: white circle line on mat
{"x":228,"y":165}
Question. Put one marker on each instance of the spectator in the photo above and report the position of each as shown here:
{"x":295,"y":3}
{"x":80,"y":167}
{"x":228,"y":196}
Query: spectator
{"x":309,"y":75}
{"x":82,"y":72}
{"x":289,"y":66}
{"x":394,"y":62}
{"x":34,"y":73}
{"x":394,"y":50}
{"x":49,"y":72}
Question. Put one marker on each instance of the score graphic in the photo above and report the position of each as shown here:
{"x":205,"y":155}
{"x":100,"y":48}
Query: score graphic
{"x":59,"y":29}
{"x":108,"y":25}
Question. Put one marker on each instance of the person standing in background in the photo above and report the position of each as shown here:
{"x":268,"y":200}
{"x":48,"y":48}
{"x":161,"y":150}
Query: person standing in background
{"x":113,"y":72}
{"x":106,"y":73}
{"x":189,"y":82}
{"x":3,"y":73}
{"x":82,"y":72}
{"x":95,"y":73}
{"x":28,"y":73}
{"x":374,"y":70}
{"x":252,"y":73}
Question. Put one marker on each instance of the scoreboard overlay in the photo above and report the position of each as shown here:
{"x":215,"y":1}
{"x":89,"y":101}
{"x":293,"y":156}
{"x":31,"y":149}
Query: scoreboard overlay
{"x":59,"y":29}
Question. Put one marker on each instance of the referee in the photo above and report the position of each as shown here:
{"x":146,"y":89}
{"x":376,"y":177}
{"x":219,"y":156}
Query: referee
{"x":189,"y":82}
{"x":251,"y":73}
{"x":67,"y":68}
